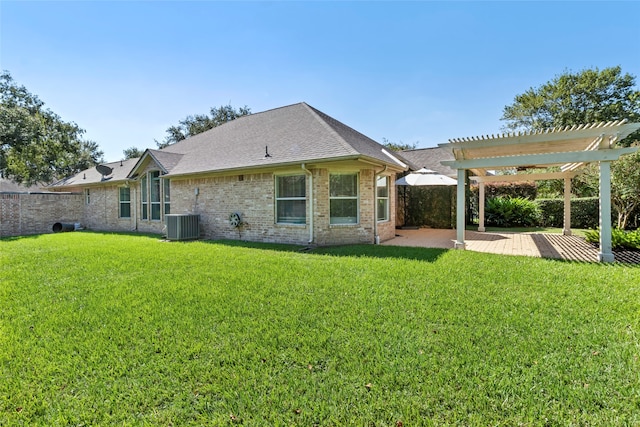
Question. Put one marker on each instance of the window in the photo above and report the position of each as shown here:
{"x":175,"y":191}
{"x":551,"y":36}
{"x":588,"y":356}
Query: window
{"x":343,"y":198}
{"x":155,"y":196}
{"x":87,"y":196}
{"x":167,"y":196}
{"x":125,"y":202}
{"x":144,"y":198}
{"x":291,"y":203}
{"x":382,"y":200}
{"x":154,"y":182}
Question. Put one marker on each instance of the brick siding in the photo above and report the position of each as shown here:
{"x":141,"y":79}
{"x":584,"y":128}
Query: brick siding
{"x":35,"y":213}
{"x":252,"y":195}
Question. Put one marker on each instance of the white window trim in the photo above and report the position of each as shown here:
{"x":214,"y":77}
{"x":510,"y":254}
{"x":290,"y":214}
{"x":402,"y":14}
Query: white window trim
{"x":148,"y":204}
{"x":87,"y":196}
{"x":121,"y":202}
{"x":357,"y":198}
{"x":388,"y":199}
{"x":277,"y":198}
{"x":160,"y":191}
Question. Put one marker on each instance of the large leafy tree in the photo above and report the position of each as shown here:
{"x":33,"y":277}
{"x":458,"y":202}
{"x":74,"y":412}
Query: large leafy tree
{"x":587,"y":96}
{"x":398,"y":146}
{"x":132,"y":152}
{"x":625,"y":187}
{"x":195,"y":124}
{"x":36,"y":145}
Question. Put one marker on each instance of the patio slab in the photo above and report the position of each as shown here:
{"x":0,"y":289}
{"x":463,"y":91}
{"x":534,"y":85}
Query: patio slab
{"x":541,"y":245}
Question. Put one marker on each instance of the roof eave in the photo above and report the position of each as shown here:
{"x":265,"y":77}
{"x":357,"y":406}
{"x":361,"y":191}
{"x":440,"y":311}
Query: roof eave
{"x":366,"y":159}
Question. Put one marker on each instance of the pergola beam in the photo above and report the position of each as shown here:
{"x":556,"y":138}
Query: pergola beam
{"x":580,"y":135}
{"x":541,"y":159}
{"x":523,"y":177}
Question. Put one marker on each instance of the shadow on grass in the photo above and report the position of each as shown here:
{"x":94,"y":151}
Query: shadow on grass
{"x":15,"y":238}
{"x":360,"y":251}
{"x":107,"y":233}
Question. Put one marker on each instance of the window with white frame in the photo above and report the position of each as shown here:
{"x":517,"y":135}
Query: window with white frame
{"x":343,"y":198}
{"x":155,"y":196}
{"x":167,"y":196}
{"x":87,"y":196}
{"x":144,"y":198}
{"x":124,"y":199}
{"x":154,"y":192}
{"x":382,"y":198}
{"x":291,"y":201}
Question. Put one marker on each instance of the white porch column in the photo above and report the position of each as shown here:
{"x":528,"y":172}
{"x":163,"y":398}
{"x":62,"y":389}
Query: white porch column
{"x":460,"y":214}
{"x":567,"y":207}
{"x":481,"y":207}
{"x":605,"y":254}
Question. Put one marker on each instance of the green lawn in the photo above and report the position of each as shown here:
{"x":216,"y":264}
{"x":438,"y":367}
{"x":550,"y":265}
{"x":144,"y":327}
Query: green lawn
{"x":107,"y":329}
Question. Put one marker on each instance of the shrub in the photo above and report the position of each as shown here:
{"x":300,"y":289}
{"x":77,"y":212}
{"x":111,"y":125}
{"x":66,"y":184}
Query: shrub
{"x":432,"y":206}
{"x":584,"y":212}
{"x":620,"y":239}
{"x":527,"y":190}
{"x":512,"y":212}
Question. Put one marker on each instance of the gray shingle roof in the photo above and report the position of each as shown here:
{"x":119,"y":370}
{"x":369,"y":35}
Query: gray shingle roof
{"x":430,"y":158}
{"x":119,"y":173}
{"x":294,"y":134}
{"x":9,"y":186}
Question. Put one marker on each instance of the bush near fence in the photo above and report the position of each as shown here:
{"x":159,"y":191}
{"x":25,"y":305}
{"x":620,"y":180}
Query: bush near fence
{"x":432,"y":206}
{"x":526,"y":190}
{"x":585,"y":212}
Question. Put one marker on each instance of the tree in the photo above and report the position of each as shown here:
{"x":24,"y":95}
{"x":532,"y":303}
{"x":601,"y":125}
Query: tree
{"x":193,"y":125}
{"x":132,"y":152}
{"x":398,"y":146}
{"x":36,"y":145}
{"x":577,"y":98}
{"x":625,"y":187}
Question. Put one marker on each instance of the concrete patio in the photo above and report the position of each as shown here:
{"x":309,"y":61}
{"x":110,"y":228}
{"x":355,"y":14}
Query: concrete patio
{"x":556,"y":246}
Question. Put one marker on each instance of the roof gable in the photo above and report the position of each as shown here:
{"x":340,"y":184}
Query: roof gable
{"x":165,"y":161}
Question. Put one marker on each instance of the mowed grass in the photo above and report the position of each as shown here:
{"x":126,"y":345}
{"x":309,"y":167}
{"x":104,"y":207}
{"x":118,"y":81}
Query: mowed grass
{"x":108,"y":329}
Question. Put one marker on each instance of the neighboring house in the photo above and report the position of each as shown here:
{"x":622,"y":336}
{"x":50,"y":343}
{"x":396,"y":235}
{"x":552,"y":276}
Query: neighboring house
{"x":294,"y":174}
{"x":9,"y":186}
{"x":430,"y":158}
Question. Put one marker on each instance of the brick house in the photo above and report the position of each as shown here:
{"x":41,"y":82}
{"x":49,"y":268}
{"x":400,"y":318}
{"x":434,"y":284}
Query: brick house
{"x":293,"y":174}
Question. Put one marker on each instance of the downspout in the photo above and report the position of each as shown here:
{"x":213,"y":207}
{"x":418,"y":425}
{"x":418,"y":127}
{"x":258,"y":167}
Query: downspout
{"x":310,"y":175}
{"x":376,"y":237}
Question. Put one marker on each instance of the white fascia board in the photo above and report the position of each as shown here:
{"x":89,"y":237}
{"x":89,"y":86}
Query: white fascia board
{"x":619,"y":131}
{"x":541,"y":159}
{"x":524,"y":177}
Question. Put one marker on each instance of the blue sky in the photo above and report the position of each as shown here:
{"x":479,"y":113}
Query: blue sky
{"x":412,"y":72}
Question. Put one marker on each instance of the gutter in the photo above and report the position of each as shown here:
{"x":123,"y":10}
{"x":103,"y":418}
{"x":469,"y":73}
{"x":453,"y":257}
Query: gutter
{"x":376,"y":237}
{"x":310,"y":175}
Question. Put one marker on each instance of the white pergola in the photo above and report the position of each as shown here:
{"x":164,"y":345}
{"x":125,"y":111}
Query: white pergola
{"x":567,"y":147}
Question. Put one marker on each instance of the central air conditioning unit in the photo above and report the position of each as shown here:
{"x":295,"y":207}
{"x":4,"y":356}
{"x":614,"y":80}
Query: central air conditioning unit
{"x":182,"y":226}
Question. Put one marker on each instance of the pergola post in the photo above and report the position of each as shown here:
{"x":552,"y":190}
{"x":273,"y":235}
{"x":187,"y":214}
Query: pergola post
{"x":460,"y":211}
{"x":481,"y":207}
{"x":605,"y":254}
{"x":566,"y":230}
